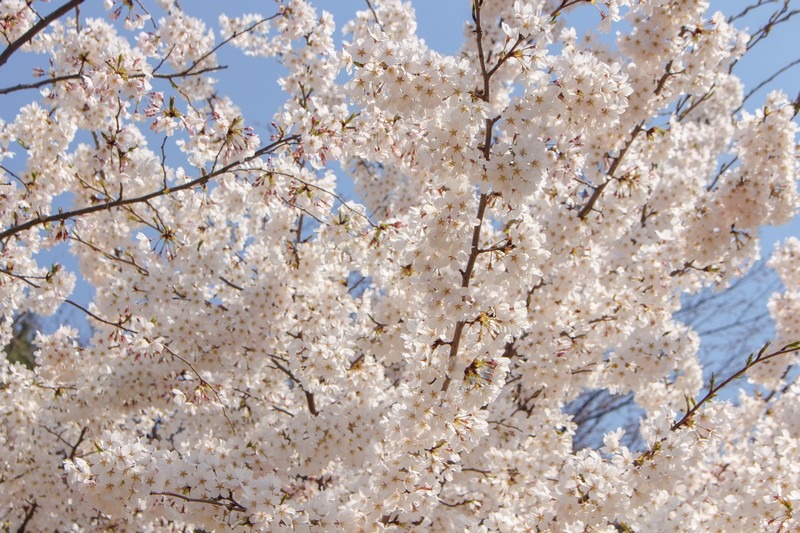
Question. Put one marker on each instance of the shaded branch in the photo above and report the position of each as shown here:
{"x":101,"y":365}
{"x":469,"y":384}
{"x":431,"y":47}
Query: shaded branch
{"x":309,"y":395}
{"x":29,"y":512}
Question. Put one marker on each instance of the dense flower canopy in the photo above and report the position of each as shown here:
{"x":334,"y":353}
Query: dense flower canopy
{"x":268,"y":355}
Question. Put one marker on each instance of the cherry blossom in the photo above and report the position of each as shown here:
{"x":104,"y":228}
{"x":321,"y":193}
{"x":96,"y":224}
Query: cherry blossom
{"x":269,"y":353}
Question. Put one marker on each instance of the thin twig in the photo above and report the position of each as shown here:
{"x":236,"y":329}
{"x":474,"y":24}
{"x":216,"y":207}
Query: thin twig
{"x":230,"y":284}
{"x":203,"y":382}
{"x":714,"y":388}
{"x":749,"y":8}
{"x":765,"y":82}
{"x":100,"y":319}
{"x":335,"y":195}
{"x":190,"y":70}
{"x":375,"y":15}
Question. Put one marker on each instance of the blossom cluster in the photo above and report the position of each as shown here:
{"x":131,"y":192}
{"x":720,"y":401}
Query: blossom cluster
{"x":266,"y":354}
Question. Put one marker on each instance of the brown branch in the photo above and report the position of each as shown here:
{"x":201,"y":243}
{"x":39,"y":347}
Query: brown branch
{"x":355,"y":285}
{"x":598,"y":191}
{"x":38,"y":84}
{"x":140,"y":269}
{"x":73,"y":447}
{"x":23,"y":278}
{"x":336,"y":196}
{"x":230,"y":284}
{"x":78,"y":443}
{"x":457,"y":504}
{"x":508,"y":55}
{"x":476,"y":17}
{"x":785,"y":388}
{"x":750,"y":8}
{"x":779,"y":17}
{"x":375,"y":15}
{"x":566,"y":4}
{"x":697,"y":101}
{"x":722,"y":169}
{"x":486,"y":473}
{"x":56,"y":435}
{"x":310,"y":401}
{"x":714,"y":388}
{"x":504,"y":247}
{"x":204,"y":383}
{"x":190,"y":70}
{"x":282,"y":410}
{"x":77,"y":75}
{"x":29,"y":512}
{"x":188,"y":73}
{"x":36,"y":28}
{"x":466,"y":274}
{"x":119,"y":202}
{"x":475,"y":250}
{"x":117,"y":324}
{"x":755,"y":89}
{"x":221,"y":501}
{"x":689,"y":265}
{"x":309,"y":395}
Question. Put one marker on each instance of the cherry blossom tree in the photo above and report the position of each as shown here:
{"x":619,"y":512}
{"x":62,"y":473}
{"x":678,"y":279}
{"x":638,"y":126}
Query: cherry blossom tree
{"x":268,"y":355}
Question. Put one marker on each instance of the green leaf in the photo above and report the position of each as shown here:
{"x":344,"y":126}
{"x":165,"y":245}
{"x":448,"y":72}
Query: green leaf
{"x":763,"y":349}
{"x":792,"y":346}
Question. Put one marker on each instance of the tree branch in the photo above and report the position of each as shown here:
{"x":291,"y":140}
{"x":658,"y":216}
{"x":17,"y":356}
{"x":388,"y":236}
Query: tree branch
{"x":38,"y":84}
{"x":36,"y":28}
{"x":30,"y":510}
{"x":375,"y":15}
{"x":466,"y":274}
{"x":714,"y":388}
{"x":221,"y":501}
{"x":119,"y":202}
{"x":312,"y":408}
{"x":755,"y":89}
{"x":598,"y":191}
